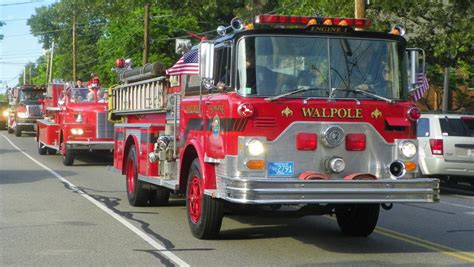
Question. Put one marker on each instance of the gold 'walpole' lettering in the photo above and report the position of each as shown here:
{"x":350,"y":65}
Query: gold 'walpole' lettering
{"x":342,"y":113}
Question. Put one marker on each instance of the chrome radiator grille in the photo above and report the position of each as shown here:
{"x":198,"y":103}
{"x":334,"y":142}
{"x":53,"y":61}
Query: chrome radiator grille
{"x":33,"y":111}
{"x":105,"y":129}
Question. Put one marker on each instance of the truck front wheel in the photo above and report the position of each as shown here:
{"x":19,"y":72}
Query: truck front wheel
{"x":42,"y":149}
{"x":138,"y":192}
{"x":204,"y":212}
{"x":17,"y":132}
{"x":67,"y":155}
{"x":357,"y":219}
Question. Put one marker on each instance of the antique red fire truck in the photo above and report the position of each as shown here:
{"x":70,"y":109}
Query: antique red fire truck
{"x":76,"y":119}
{"x":24,"y":108}
{"x":315,"y":116}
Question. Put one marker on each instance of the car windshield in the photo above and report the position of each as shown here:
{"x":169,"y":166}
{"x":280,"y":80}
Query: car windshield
{"x":30,"y":95}
{"x":84,"y":95}
{"x":275,"y":65}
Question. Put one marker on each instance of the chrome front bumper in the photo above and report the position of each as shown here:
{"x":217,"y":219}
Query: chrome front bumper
{"x":293,"y":191}
{"x":90,"y":145}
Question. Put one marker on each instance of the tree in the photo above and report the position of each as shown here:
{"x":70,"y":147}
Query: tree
{"x":444,"y":30}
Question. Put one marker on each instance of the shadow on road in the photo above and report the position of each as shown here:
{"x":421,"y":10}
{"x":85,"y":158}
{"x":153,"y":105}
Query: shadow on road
{"x":28,"y":176}
{"x":94,"y":158}
{"x":5,"y":151}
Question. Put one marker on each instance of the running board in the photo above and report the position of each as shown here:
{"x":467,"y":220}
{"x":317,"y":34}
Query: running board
{"x":157,"y":180}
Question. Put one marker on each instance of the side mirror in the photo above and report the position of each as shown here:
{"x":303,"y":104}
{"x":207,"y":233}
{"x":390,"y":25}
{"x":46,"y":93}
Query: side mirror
{"x":206,"y":63}
{"x":416,"y":64}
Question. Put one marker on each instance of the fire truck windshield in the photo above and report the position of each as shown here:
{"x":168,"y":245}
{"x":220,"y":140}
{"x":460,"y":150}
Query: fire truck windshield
{"x":84,"y":95}
{"x":273,"y":66}
{"x":30,"y":95}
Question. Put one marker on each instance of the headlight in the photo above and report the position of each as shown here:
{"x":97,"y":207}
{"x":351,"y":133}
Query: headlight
{"x":77,"y":131}
{"x":408,"y":149}
{"x":5,"y":113}
{"x":255,"y":147}
{"x":22,"y":115}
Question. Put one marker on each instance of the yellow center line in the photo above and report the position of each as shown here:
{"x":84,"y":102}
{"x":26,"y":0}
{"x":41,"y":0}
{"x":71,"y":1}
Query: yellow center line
{"x":463,"y":255}
{"x":427,"y":244}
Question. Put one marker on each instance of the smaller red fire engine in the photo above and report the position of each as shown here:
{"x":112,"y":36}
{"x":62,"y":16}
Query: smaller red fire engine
{"x":75,"y":119}
{"x":25,"y":108}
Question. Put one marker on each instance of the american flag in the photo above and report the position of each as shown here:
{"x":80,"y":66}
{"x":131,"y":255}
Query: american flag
{"x":187,"y":64}
{"x":423,"y":86}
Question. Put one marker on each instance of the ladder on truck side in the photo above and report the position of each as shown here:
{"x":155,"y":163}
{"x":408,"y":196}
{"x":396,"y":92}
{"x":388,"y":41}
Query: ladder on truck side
{"x":151,"y":96}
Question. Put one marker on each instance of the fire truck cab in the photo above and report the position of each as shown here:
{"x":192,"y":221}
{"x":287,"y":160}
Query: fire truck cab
{"x":25,"y":108}
{"x":315,"y":117}
{"x":76,"y":119}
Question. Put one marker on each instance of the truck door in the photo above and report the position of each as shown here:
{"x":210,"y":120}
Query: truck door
{"x":216,"y":110}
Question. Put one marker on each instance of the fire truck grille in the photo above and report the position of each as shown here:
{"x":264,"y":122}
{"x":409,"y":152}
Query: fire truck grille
{"x":264,"y":123}
{"x":105,"y":129}
{"x":33,"y":111}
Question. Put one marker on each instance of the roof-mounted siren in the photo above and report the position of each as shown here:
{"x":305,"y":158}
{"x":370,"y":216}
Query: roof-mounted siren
{"x":236,"y":25}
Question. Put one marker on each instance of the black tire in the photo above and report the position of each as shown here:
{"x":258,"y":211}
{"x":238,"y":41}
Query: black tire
{"x":159,"y":196}
{"x":357,"y":219}
{"x":17,"y":132}
{"x":42,"y":149}
{"x":10,"y":130}
{"x":68,"y":156}
{"x":52,"y":151}
{"x":204,"y":212}
{"x":138,"y":192}
{"x":451,"y":181}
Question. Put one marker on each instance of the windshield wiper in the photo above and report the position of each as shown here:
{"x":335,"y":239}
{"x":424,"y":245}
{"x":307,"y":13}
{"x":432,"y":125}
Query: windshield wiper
{"x":294,"y":92}
{"x":362,"y":92}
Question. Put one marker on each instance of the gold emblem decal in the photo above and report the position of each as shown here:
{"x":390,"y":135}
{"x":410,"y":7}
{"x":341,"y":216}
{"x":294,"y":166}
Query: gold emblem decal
{"x":376,"y":114}
{"x":287,"y":112}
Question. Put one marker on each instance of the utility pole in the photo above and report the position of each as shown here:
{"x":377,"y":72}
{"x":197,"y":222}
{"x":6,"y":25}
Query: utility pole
{"x":24,"y":75}
{"x":359,"y":10}
{"x":74,"y":46}
{"x":29,"y":77}
{"x":446,"y":90}
{"x":50,"y":76}
{"x":145,"y":35}
{"x":47,"y":66}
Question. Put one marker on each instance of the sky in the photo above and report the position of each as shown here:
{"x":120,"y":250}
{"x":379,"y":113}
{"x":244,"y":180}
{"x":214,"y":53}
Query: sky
{"x":18,"y":46}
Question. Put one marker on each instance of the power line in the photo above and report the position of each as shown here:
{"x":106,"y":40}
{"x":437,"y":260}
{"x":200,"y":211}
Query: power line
{"x":22,"y":3}
{"x":59,"y":30}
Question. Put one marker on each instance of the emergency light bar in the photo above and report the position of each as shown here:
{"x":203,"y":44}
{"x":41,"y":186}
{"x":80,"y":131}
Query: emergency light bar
{"x":301,"y":20}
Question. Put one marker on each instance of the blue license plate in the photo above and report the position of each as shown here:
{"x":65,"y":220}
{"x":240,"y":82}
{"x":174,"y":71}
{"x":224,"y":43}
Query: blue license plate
{"x":286,"y":168}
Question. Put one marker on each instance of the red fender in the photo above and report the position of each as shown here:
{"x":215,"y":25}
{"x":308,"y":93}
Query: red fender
{"x":127,"y":149}
{"x":208,"y":169}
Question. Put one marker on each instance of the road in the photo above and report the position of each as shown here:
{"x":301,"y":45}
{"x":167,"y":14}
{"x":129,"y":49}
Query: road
{"x":53,"y":215}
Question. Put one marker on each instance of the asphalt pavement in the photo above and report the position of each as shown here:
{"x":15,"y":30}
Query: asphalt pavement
{"x":53,"y":215}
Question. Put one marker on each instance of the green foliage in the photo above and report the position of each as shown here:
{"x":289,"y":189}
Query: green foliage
{"x":444,"y":30}
{"x":107,"y":29}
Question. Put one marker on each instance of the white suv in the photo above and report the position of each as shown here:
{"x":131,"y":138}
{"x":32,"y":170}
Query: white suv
{"x":446,"y":143}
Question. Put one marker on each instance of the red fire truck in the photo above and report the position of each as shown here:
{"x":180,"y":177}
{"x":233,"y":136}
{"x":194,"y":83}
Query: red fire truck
{"x":315,"y":117}
{"x":76,"y":119}
{"x":24,"y":108}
